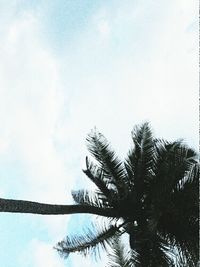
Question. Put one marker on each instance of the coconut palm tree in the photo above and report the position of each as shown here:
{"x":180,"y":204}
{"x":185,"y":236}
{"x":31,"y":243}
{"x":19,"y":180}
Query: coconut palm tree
{"x":154,"y":195}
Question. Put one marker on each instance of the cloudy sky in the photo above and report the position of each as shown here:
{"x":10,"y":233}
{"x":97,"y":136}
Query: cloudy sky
{"x":67,"y":66}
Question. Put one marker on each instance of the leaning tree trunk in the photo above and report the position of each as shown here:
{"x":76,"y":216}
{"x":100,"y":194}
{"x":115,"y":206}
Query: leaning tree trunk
{"x":23,"y":206}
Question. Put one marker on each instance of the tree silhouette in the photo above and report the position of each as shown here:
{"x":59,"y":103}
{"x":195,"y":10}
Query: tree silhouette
{"x":152,"y":196}
{"x":155,"y":194}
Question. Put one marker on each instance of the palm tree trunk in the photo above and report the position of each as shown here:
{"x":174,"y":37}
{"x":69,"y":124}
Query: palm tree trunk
{"x":23,"y":206}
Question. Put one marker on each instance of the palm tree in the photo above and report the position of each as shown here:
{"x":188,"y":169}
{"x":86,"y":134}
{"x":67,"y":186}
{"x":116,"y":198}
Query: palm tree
{"x":154,"y":195}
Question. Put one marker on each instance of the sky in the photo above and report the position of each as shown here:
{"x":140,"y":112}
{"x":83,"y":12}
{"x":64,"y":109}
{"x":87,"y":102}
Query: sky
{"x":67,"y":66}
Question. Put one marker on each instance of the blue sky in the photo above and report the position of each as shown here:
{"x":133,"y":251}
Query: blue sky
{"x":67,"y":66}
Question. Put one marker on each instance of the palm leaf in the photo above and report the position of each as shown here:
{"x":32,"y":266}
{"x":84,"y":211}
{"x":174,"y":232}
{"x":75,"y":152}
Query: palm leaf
{"x":96,"y":175}
{"x":120,"y":255}
{"x":153,"y":252}
{"x":112,"y":167}
{"x":174,"y":161}
{"x":94,"y":239}
{"x":179,"y":219}
{"x":141,"y":159}
{"x":84,"y":197}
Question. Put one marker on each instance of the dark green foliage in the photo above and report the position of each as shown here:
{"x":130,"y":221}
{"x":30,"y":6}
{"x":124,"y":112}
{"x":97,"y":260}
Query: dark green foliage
{"x":155,"y":194}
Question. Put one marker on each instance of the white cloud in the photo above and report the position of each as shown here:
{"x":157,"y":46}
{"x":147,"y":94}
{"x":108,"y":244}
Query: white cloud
{"x":78,"y":260}
{"x":101,"y":20}
{"x":158,"y":82}
{"x":40,"y":254}
{"x":31,"y":106}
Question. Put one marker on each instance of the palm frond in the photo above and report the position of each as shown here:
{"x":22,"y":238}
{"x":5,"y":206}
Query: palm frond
{"x":96,"y":175}
{"x":84,"y":197}
{"x":183,"y":258}
{"x":94,"y":239}
{"x":120,"y":255}
{"x":153,"y":252}
{"x":181,"y":158}
{"x":193,"y":174}
{"x":141,"y":158}
{"x":171,"y":172}
{"x":112,"y":167}
{"x":174,"y":160}
{"x":178,"y":219}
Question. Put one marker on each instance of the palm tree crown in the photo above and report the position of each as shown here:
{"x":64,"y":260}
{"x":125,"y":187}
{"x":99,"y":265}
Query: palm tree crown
{"x":154,"y":193}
